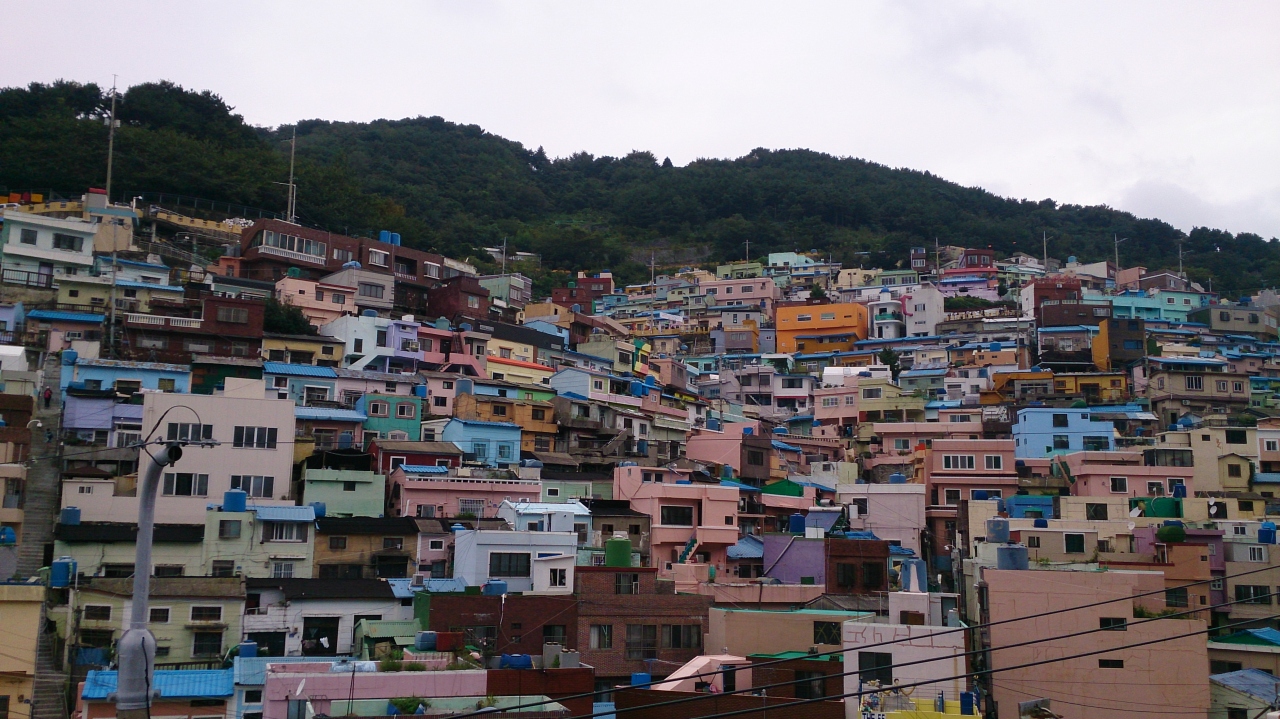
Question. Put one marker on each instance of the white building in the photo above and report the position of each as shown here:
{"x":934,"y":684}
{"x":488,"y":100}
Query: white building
{"x":541,"y":562}
{"x":36,"y":250}
{"x":314,"y":617}
{"x":891,"y":511}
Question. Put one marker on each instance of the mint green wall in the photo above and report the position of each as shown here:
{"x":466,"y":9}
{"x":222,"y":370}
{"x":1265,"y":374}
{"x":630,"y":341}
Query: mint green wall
{"x":326,"y":485}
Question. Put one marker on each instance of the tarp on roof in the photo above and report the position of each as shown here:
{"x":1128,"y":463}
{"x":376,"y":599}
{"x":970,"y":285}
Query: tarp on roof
{"x":786,"y":447}
{"x":423,"y":469}
{"x":784,"y":488}
{"x":738,"y":486}
{"x":170,"y":683}
{"x":748,"y":547}
{"x":283,"y":514}
{"x":824,"y":519}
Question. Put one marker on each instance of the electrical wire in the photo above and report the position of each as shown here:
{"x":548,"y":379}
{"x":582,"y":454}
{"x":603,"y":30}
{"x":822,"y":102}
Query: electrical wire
{"x":973,"y":627}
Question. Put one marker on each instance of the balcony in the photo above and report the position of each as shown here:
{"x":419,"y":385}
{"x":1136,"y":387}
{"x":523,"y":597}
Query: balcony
{"x":889,"y":317}
{"x":290,"y":254}
{"x":725,"y":535}
{"x":160,"y":321}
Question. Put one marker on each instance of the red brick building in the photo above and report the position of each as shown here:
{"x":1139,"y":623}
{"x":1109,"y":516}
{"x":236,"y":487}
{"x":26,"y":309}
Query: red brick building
{"x":857,"y":566}
{"x":207,"y":325}
{"x":270,"y":247}
{"x":518,"y":625}
{"x":459,"y":297}
{"x":583,"y":291}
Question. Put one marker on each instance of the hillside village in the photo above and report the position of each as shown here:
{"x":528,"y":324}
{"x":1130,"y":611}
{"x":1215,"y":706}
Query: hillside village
{"x":769,"y":480}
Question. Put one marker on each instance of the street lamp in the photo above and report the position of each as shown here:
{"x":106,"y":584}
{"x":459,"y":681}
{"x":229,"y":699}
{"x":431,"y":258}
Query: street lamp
{"x":1118,"y":240}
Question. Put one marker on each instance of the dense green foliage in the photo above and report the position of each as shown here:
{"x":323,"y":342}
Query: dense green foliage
{"x":285,"y":319}
{"x":456,"y":188}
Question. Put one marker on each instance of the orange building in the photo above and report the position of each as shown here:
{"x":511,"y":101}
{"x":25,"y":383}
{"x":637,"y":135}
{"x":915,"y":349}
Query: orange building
{"x":820,"y":328}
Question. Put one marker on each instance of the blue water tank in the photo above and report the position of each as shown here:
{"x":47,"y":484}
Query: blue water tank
{"x":1071,"y":259}
{"x":494,"y":588}
{"x":997,"y":530}
{"x":897,"y":478}
{"x":968,"y":703}
{"x":1266,"y":536}
{"x":457,"y":528}
{"x":248,"y":648}
{"x":62,"y":572}
{"x":642,"y":446}
{"x":515,"y":661}
{"x":69,"y":357}
{"x":979,"y":495}
{"x":651,"y":380}
{"x":319,"y":508}
{"x":420,"y":390}
{"x":641,"y":679}
{"x":234,"y":500}
{"x":8,"y":536}
{"x":995,"y":347}
{"x":796,"y":524}
{"x":1011,"y":556}
{"x":369,"y":313}
{"x":424,"y":642}
{"x":395,"y":238}
{"x":1180,"y":491}
{"x":70,"y":516}
{"x":779,"y":430}
{"x":1040,"y":523}
{"x":384,"y":236}
{"x":748,"y":430}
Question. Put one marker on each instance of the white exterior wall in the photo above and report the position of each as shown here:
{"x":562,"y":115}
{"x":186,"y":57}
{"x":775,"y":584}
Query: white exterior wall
{"x":910,"y":644}
{"x":275,"y":617}
{"x":473,"y":547}
{"x":542,"y":569}
{"x":894,"y":511}
{"x":20,"y":256}
{"x":349,"y":328}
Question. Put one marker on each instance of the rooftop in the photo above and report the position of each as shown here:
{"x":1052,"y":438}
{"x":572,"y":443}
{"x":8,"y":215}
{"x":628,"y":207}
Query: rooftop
{"x":170,"y":683}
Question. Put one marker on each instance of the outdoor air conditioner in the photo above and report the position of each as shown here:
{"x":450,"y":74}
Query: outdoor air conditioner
{"x":418,"y":579}
{"x":1186,"y":403}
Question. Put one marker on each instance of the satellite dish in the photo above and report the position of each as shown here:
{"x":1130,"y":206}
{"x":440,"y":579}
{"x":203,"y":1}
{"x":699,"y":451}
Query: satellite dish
{"x":1215,"y":510}
{"x":1132,"y":526}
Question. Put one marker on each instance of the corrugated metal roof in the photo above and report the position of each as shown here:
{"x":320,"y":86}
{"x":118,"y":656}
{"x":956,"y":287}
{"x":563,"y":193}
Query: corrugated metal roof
{"x":126,"y":364}
{"x":748,"y":547}
{"x":252,"y":671}
{"x":298,"y":370}
{"x":738,"y":485}
{"x":268,"y":513}
{"x":423,"y":469}
{"x":548,"y":507}
{"x":135,"y":263}
{"x":1254,"y":682}
{"x":148,"y":286}
{"x":479,"y":423}
{"x":403,"y":590}
{"x":171,"y":683}
{"x":329,"y":413}
{"x":61,"y":316}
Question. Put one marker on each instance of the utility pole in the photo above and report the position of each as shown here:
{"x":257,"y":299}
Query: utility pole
{"x":748,"y":244}
{"x":1044,"y":237}
{"x":1180,"y":259}
{"x":504,"y":255}
{"x":293,"y":189}
{"x":111,"y":328}
{"x":653,"y":268}
{"x":1117,"y":239}
{"x":111,"y":136}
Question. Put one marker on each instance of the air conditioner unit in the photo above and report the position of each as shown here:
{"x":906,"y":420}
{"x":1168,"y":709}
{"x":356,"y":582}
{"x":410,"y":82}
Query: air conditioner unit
{"x":419,"y":579}
{"x":1186,"y":403}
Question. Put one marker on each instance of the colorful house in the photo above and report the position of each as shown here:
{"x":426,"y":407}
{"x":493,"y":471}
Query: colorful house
{"x":491,"y":443}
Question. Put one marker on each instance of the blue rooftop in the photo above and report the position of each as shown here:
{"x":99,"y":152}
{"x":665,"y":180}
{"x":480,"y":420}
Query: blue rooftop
{"x":148,"y":286}
{"x":252,"y":671}
{"x":404,"y":590}
{"x":423,"y":469}
{"x":748,"y":547}
{"x":479,"y":423}
{"x":786,"y":447}
{"x":135,"y":263}
{"x":329,"y":413}
{"x":298,"y":370}
{"x":1254,"y":682}
{"x":738,"y":486}
{"x":171,"y":683}
{"x":61,"y":316}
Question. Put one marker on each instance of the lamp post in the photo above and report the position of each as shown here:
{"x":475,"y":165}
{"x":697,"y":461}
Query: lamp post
{"x":1118,"y":240}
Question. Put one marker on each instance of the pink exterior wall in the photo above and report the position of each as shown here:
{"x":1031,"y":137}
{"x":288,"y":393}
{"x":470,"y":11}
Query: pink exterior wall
{"x":320,"y":687}
{"x":302,"y":294}
{"x":1172,"y":676}
{"x":723,"y":447}
{"x":1093,"y":472}
{"x":446,"y":492}
{"x":938,"y":476}
{"x":762,"y":288}
{"x":715,"y":514}
{"x":916,"y":432}
{"x":845,"y":409}
{"x":436,"y":388}
{"x":940,"y":656}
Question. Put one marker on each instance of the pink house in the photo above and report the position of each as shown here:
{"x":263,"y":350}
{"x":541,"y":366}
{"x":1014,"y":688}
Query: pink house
{"x":1120,"y":474}
{"x":322,"y":302}
{"x":441,"y":388}
{"x":448,"y":349}
{"x":896,"y":437}
{"x":313,"y":682}
{"x":419,"y":491}
{"x":956,"y":469}
{"x":1170,"y":676}
{"x":761,"y":292}
{"x":691,"y":521}
{"x":719,"y":447}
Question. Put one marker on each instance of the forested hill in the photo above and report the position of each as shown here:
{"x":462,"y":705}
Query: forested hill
{"x":456,"y":188}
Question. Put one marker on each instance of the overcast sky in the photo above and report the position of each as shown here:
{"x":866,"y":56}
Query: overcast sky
{"x":1165,"y":109}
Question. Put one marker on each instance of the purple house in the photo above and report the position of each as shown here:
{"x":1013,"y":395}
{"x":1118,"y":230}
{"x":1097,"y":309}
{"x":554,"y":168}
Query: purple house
{"x":12,"y":318}
{"x":402,"y":338}
{"x":793,"y":559}
{"x":1144,"y":541}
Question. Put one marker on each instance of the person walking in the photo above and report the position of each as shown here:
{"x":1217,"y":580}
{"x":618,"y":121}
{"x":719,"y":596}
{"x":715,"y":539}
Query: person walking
{"x":48,"y":397}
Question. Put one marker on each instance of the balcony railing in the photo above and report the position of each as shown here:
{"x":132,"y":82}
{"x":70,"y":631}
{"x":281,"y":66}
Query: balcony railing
{"x":162,"y":321}
{"x":889,"y":317}
{"x":300,"y":256}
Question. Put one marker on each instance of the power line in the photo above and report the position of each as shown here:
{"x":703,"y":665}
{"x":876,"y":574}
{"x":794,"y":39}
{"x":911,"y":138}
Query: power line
{"x":935,"y":634}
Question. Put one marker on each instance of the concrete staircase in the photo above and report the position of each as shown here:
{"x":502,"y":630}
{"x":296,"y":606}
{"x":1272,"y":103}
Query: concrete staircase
{"x":44,"y":478}
{"x":49,"y":697}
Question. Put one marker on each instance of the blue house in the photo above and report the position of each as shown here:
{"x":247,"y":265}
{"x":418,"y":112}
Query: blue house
{"x":1045,"y":431}
{"x":491,"y":443}
{"x":126,"y":377}
{"x":300,"y":382}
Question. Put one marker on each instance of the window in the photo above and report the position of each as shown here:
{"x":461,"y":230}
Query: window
{"x":677,"y":516}
{"x":180,"y":431}
{"x":642,"y":641}
{"x":207,"y":644}
{"x":626,"y":583}
{"x":405,"y":411}
{"x":1155,"y":489}
{"x":499,"y":410}
{"x":1119,"y":485}
{"x":1253,"y":594}
{"x":957,"y":461}
{"x":1176,"y":597}
{"x":286,"y":532}
{"x":253,"y":485}
{"x":97,"y":612}
{"x":1097,"y":443}
{"x":826,"y":633}
{"x":206,"y":614}
{"x":1111,"y":664}
{"x":378,"y":257}
{"x":473,"y":302}
{"x":810,"y":685}
{"x":871,"y":392}
{"x":255,"y":437}
{"x":369,"y":289}
{"x":67,"y":242}
{"x":872,"y":575}
{"x":508,"y":564}
{"x":846,"y":574}
{"x":994,"y":461}
{"x":1271,"y":445}
{"x":224,"y":568}
{"x":1236,"y":436}
{"x":1095,"y":512}
{"x":601,"y":636}
{"x":1060,"y":420}
{"x":184,"y":484}
{"x":1113,"y":624}
{"x":393,"y":542}
{"x":28,"y":237}
{"x":681,"y":636}
{"x":876,"y":666}
{"x":755,"y":458}
{"x":165,"y":385}
{"x":253,"y":696}
{"x":1061,"y":441}
{"x":951,"y":496}
{"x":159,"y":615}
{"x":337,"y":542}
{"x":229,"y":529}
{"x":1194,"y":382}
{"x":1257,"y":554}
{"x":1033,"y":542}
{"x":282,"y":570}
{"x":1073,"y":543}
{"x":558,"y":577}
{"x":236,"y":315}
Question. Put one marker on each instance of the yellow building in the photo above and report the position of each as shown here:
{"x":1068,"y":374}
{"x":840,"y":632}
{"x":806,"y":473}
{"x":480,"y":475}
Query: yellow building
{"x":302,"y":349}
{"x":1095,"y":386}
{"x":129,"y":296}
{"x":817,"y":328}
{"x":520,"y":372}
{"x":511,"y":349}
{"x":20,"y":606}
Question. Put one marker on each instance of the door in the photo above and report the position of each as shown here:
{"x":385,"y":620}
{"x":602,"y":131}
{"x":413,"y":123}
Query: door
{"x":270,"y":644}
{"x":320,"y":636}
{"x":46,"y":274}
